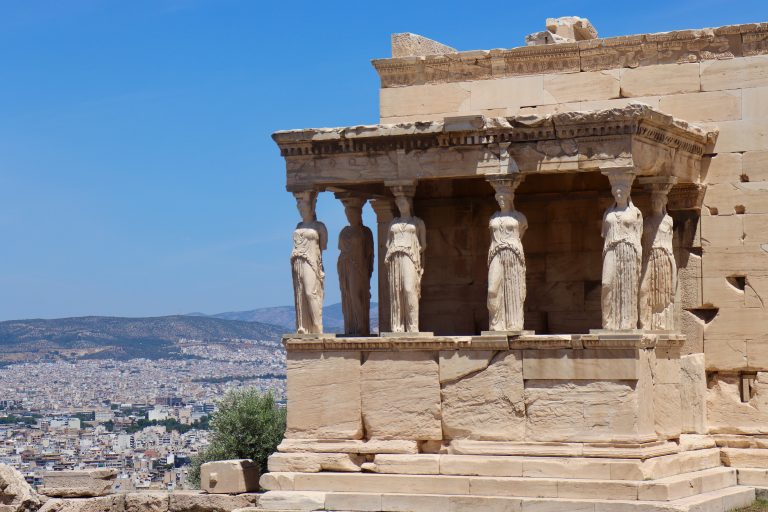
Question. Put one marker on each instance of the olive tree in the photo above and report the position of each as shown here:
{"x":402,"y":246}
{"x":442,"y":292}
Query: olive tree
{"x":247,"y":425}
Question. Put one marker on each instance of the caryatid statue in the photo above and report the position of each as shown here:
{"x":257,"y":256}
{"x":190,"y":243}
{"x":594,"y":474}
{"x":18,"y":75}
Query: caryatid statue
{"x":658,"y":284}
{"x":310,"y":239}
{"x":506,"y":261}
{"x":355,"y":266}
{"x":622,"y":253}
{"x":406,"y":242}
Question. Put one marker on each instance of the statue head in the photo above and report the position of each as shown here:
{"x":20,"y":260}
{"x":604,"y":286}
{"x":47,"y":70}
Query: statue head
{"x":305,"y":203}
{"x":505,"y":197}
{"x":505,"y":191}
{"x":404,"y":205}
{"x":621,"y":186}
{"x":354,"y":214}
{"x":659,"y":202}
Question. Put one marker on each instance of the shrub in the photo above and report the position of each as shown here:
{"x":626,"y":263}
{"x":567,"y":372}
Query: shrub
{"x":246,"y":425}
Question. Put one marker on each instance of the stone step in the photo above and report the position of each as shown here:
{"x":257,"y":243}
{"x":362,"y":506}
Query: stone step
{"x":761,"y":493}
{"x":722,"y":500}
{"x":753,"y":477}
{"x":745,"y":457}
{"x":689,"y":484}
{"x":549,"y":467}
{"x":666,"y":489}
{"x":501,"y":465}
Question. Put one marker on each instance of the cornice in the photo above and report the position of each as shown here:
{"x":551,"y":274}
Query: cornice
{"x":636,"y":119}
{"x":681,"y":46}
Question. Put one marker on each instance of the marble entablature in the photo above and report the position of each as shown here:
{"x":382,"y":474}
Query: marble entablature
{"x":635,"y":136}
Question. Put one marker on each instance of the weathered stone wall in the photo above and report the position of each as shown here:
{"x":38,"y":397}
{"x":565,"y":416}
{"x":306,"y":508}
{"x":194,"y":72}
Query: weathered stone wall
{"x":716,"y":77}
{"x":565,"y":392}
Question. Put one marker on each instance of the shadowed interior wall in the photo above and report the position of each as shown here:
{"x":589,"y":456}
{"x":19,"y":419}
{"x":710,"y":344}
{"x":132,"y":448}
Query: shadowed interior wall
{"x":563,"y":251}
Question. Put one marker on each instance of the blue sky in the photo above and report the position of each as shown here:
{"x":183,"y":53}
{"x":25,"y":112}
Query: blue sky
{"x":137,"y":175}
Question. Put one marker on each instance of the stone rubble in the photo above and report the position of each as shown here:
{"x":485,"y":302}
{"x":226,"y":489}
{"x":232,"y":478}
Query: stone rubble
{"x":567,"y":29}
{"x":78,"y":484}
{"x":230,"y":476}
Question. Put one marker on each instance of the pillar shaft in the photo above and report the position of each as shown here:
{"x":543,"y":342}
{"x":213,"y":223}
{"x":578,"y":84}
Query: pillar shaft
{"x":385,"y":213}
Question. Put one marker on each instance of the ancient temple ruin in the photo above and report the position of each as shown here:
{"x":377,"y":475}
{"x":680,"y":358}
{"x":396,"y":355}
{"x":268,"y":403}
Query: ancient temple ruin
{"x":571,"y":252}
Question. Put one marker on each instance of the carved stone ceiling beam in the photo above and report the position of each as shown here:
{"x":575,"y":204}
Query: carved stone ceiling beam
{"x":636,"y":136}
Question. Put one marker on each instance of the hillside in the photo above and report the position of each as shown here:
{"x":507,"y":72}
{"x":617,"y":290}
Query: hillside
{"x":285,"y":316}
{"x":121,"y":338}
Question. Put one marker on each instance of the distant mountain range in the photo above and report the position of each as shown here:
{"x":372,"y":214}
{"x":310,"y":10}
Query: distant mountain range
{"x":285,"y":316}
{"x":152,"y":337}
{"x":121,"y":338}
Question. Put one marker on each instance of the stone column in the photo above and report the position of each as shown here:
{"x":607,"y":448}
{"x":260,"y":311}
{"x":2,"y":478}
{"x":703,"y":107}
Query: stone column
{"x":658,"y":277}
{"x":406,"y":244}
{"x":310,"y":239}
{"x":506,"y":260}
{"x":622,"y":254}
{"x":355,"y":266}
{"x":385,"y":213}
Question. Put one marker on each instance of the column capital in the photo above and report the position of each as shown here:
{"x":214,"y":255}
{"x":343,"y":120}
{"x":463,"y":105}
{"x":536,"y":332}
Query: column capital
{"x":383,"y":207}
{"x":618,"y":175}
{"x":298,"y":188}
{"x":351,"y":199}
{"x":305,"y":195}
{"x":658,"y":184}
{"x":505,"y":182}
{"x":618,"y":171}
{"x":402,"y":188}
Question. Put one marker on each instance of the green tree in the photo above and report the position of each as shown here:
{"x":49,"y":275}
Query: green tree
{"x":246,"y":425}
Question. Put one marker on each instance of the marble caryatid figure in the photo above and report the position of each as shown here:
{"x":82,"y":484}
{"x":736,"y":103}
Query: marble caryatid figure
{"x":406,"y":243}
{"x":622,"y":253}
{"x":355,"y":266}
{"x":310,"y":239}
{"x":659,"y":270}
{"x":506,"y":261}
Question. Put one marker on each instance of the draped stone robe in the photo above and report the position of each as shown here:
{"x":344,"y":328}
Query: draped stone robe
{"x":622,"y":252}
{"x":355,"y":266}
{"x":659,"y":275}
{"x":309,"y":240}
{"x":404,"y":268}
{"x":506,"y":272}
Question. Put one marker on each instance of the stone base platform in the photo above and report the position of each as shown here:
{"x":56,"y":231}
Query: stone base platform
{"x":710,"y":490}
{"x":654,"y":477}
{"x":660,"y":460}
